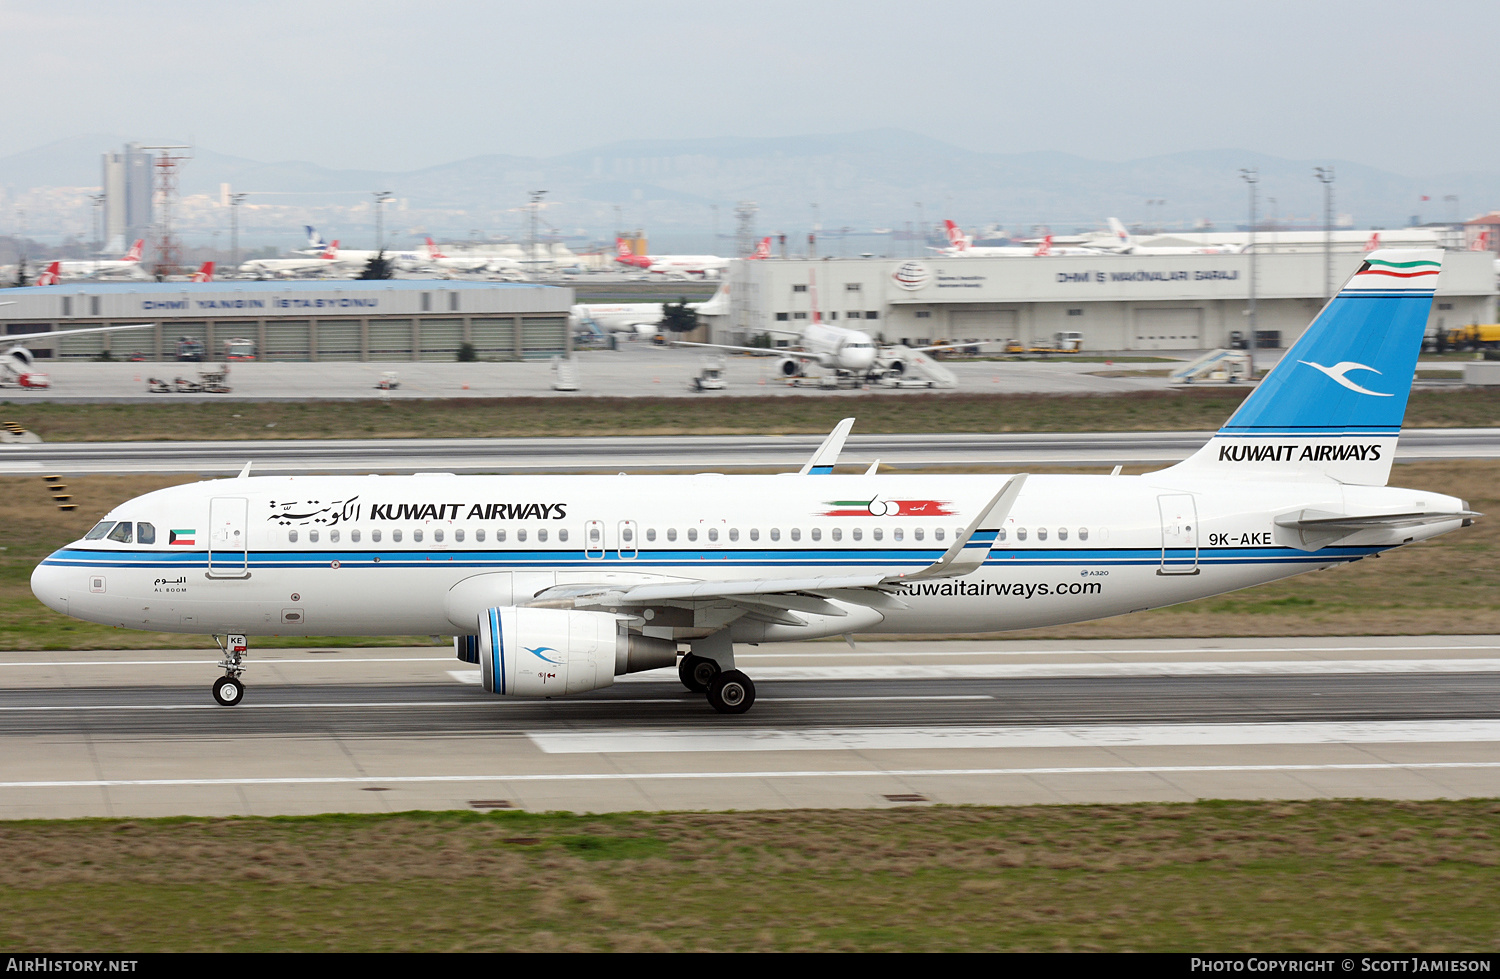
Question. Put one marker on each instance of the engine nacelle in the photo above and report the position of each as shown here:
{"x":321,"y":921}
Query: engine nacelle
{"x":548,"y":652}
{"x":18,"y":359}
{"x":789,"y":367}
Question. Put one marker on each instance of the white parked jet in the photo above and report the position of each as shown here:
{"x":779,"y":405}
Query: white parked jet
{"x":1125,"y":245}
{"x":555,"y":585}
{"x":129,"y":263}
{"x":640,"y":319}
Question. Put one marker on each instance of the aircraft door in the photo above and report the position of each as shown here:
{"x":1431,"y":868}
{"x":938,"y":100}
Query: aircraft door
{"x":228,"y":537}
{"x":593,"y":540}
{"x":628,"y":542}
{"x":1179,"y":534}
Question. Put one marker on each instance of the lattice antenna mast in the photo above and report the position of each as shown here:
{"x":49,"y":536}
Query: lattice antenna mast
{"x":168,"y":248}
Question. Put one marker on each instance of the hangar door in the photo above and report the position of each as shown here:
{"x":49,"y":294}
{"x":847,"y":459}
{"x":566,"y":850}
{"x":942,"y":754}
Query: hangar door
{"x":983,"y":324}
{"x":1169,"y":329}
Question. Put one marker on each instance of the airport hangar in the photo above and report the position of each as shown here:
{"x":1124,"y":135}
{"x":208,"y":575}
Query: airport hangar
{"x":1119,"y":303}
{"x":386,"y":320}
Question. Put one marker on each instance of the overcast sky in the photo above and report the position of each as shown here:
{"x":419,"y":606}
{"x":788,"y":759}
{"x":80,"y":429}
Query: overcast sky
{"x":1405,"y":86}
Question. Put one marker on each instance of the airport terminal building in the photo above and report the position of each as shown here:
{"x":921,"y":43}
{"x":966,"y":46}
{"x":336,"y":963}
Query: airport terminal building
{"x":387,"y":320}
{"x":1118,"y":303}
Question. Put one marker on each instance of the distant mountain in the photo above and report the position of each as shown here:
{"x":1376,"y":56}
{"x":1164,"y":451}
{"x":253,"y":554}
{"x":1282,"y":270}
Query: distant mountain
{"x":863,"y":179}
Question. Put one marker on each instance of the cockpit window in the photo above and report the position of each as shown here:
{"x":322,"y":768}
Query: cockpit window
{"x":100,"y":529}
{"x":121,"y":533}
{"x":145,"y":533}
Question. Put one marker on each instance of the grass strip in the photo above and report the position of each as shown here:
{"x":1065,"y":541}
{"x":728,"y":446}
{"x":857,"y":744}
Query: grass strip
{"x":1200,"y":408}
{"x":1351,"y":875}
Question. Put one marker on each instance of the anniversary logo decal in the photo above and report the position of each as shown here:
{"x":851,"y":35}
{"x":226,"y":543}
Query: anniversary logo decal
{"x":887,"y":508}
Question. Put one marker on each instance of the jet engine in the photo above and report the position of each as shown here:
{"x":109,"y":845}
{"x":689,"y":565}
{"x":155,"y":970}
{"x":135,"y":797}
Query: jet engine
{"x":545,"y":652}
{"x":789,"y":367}
{"x":17,"y":359}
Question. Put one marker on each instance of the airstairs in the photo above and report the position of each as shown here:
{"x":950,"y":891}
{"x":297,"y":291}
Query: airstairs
{"x":1229,"y":366}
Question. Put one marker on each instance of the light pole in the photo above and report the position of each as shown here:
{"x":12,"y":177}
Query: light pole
{"x":1325,"y":176}
{"x":1251,"y":176}
{"x":98,"y":242}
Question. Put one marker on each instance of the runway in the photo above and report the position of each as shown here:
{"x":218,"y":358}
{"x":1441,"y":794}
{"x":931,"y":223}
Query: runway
{"x":136,"y":734}
{"x":615,"y":454}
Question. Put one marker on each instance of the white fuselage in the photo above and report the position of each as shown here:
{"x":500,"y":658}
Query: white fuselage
{"x":427,"y":554}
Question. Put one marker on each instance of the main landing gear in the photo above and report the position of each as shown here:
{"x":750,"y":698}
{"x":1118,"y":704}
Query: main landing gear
{"x":229,"y":689}
{"x":729,"y":691}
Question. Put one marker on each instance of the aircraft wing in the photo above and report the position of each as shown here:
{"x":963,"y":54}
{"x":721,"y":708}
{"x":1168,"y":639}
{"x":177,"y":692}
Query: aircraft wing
{"x":21,"y":338}
{"x":758,"y":351}
{"x":821,"y":463}
{"x":797,"y":594}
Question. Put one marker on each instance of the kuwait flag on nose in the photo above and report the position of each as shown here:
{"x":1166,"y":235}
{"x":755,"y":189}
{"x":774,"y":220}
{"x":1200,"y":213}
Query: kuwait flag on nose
{"x":185,"y":537}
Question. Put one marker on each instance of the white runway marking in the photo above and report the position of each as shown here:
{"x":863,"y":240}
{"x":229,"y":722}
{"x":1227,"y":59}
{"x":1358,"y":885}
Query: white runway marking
{"x":1093,"y":736}
{"x":698,"y":776}
{"x":491,"y":703}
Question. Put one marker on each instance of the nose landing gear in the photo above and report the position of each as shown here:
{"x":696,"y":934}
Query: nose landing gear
{"x":229,"y":689}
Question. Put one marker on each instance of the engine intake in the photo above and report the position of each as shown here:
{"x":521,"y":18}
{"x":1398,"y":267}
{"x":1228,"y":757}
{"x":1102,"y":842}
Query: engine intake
{"x":545,"y":652}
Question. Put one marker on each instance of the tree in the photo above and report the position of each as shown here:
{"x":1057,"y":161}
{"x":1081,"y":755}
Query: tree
{"x":21,"y":277}
{"x":678,"y":317}
{"x":466,"y":353}
{"x":378,"y":267}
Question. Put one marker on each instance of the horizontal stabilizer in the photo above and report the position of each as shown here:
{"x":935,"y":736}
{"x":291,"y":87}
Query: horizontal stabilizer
{"x":1310,"y":530}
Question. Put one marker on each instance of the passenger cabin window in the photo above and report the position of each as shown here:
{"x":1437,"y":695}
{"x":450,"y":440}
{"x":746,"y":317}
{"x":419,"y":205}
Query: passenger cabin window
{"x":312,"y":535}
{"x":917,"y":533}
{"x":858,"y":533}
{"x":1062,"y":533}
{"x":1020,"y":533}
{"x":755,"y":533}
{"x":876,"y":533}
{"x":896,"y":534}
{"x":375,"y":536}
{"x":937,"y":534}
{"x":776,"y":533}
{"x":500,"y":536}
{"x":396,"y":536}
{"x":838,"y":533}
{"x":291,"y":536}
{"x":121,"y":533}
{"x":478,"y":535}
{"x":145,"y":533}
{"x":796,"y":533}
{"x":817,"y":533}
{"x":541,"y":535}
{"x":1083,"y":533}
{"x":437,"y":535}
{"x":562,"y":534}
{"x":416,"y":535}
{"x":1001,"y":534}
{"x":692,"y":533}
{"x":671,"y":533}
{"x":100,"y":529}
{"x":458,"y":535}
{"x":521,"y":534}
{"x":354,"y":536}
{"x":1041,"y":533}
{"x":713,"y":533}
{"x":333,"y":535}
{"x":650,"y":533}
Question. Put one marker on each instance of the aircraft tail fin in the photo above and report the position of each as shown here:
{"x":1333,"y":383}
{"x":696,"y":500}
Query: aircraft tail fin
{"x":1045,"y":248}
{"x":332,"y":251}
{"x":762,"y":250}
{"x":314,"y":240}
{"x":956,"y":236}
{"x":1374,"y":242}
{"x":51,"y":277}
{"x":1481,"y":242}
{"x":1333,"y":407}
{"x":134,"y":255}
{"x":204,"y":274}
{"x":432,"y":249}
{"x":1122,"y":235}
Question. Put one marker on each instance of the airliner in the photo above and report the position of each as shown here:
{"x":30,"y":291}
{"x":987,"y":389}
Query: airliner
{"x":16,"y":360}
{"x":1125,"y":245}
{"x":683,"y":265}
{"x":556,"y":585}
{"x":640,"y":319}
{"x":129,"y":262}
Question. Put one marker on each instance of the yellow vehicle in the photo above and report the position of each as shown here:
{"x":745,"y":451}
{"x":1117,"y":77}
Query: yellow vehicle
{"x":1474,"y":336}
{"x":1069,"y":342}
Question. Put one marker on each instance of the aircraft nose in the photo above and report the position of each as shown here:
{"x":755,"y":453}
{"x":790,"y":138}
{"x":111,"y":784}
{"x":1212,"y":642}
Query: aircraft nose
{"x":863,"y":358}
{"x":49,"y":583}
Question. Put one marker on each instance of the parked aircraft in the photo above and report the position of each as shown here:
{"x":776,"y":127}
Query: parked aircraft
{"x":17,"y":360}
{"x":205,"y":273}
{"x":325,"y":263}
{"x":130,"y":263}
{"x":555,"y":585}
{"x":1125,"y":245}
{"x":640,"y":319}
{"x":683,"y":265}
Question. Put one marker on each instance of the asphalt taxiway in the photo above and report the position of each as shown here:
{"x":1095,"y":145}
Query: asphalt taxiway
{"x":130,"y":733}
